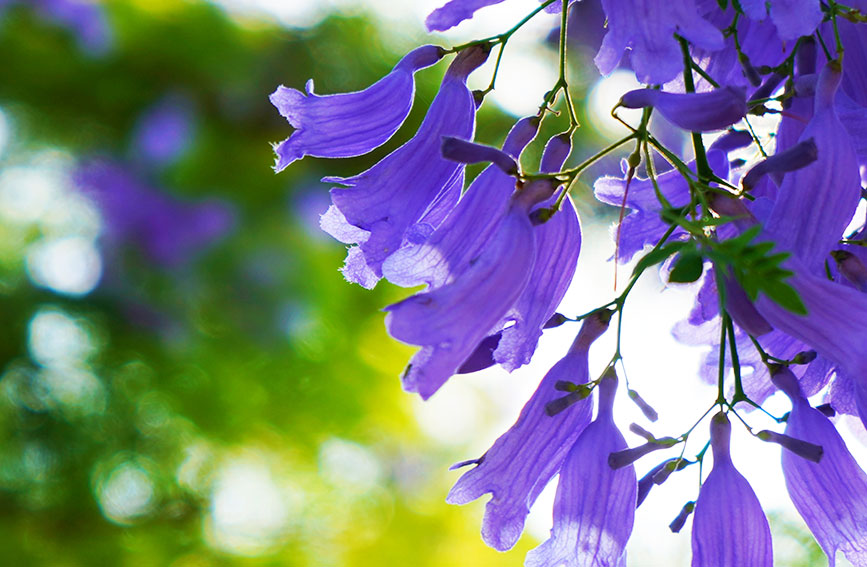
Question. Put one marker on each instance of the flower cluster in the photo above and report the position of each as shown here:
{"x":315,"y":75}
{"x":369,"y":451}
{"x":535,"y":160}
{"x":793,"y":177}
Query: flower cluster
{"x":759,"y":224}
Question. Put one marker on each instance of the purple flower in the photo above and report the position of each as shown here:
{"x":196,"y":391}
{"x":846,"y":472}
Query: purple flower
{"x":525,"y":458}
{"x":830,"y":495}
{"x":449,"y":250}
{"x":696,"y":112}
{"x":558,"y":243}
{"x":800,"y":155}
{"x":163,"y":133}
{"x":793,"y":18}
{"x":594,"y":508}
{"x":349,"y":124}
{"x":729,"y":527}
{"x":455,"y":12}
{"x":87,"y":20}
{"x":168,"y":231}
{"x":450,"y":321}
{"x":640,"y":25}
{"x":390,"y":197}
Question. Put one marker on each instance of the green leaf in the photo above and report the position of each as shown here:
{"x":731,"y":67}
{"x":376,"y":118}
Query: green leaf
{"x":784,"y":295}
{"x":657,"y":255}
{"x":687,"y":269}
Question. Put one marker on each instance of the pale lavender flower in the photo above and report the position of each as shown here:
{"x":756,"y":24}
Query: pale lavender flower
{"x":349,"y":124}
{"x":594,"y":507}
{"x":696,"y":112}
{"x":389,"y":198}
{"x":648,"y":31}
{"x":525,"y":458}
{"x":729,"y":527}
{"x":830,"y":495}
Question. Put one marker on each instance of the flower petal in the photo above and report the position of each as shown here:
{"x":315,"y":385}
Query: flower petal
{"x":696,"y":112}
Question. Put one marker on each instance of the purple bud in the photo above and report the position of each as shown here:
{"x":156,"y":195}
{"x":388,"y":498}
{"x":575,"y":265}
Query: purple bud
{"x":645,"y":408}
{"x":798,"y":156}
{"x":628,"y":456}
{"x":556,"y":320}
{"x":641,"y":432}
{"x":462,"y":151}
{"x":677,"y":524}
{"x":696,"y":112}
{"x":732,"y":140}
{"x":852,"y":268}
{"x":809,"y":451}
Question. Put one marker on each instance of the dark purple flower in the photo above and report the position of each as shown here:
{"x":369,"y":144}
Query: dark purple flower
{"x":648,"y":31}
{"x":594,"y":508}
{"x":349,"y":124}
{"x":390,"y":197}
{"x":729,"y":527}
{"x":830,"y":495}
{"x":525,"y":458}
{"x":696,"y":112}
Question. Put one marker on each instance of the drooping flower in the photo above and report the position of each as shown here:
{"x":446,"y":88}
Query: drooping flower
{"x":830,"y":495}
{"x":349,"y":124}
{"x":729,"y":527}
{"x":449,"y":322}
{"x":696,"y":112}
{"x":525,"y":458}
{"x":594,"y":507}
{"x":381,"y":204}
{"x":639,"y":25}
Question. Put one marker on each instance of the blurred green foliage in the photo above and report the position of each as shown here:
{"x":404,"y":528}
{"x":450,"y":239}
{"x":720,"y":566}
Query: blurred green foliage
{"x":253,"y":363}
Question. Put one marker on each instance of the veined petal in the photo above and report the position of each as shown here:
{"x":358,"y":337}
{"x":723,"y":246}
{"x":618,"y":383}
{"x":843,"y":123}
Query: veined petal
{"x":448,"y":251}
{"x":450,"y":321}
{"x":387,"y":199}
{"x":696,"y":112}
{"x":641,"y":26}
{"x":729,"y":527}
{"x":349,"y":124}
{"x":525,"y":458}
{"x":815,"y":203}
{"x":830,"y":495}
{"x":455,"y":12}
{"x":594,"y":508}
{"x":558,"y":242}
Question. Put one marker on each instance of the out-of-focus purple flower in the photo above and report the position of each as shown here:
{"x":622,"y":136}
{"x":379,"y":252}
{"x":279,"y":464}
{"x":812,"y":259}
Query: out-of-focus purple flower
{"x":349,"y":124}
{"x":450,"y":249}
{"x":729,"y":527}
{"x":558,"y":243}
{"x":450,"y":321}
{"x":525,"y":458}
{"x":594,"y":508}
{"x":641,"y":26}
{"x":390,"y":197}
{"x":793,"y":18}
{"x":86,"y":19}
{"x":168,"y":231}
{"x":696,"y":112}
{"x":830,"y":495}
{"x":164,"y":132}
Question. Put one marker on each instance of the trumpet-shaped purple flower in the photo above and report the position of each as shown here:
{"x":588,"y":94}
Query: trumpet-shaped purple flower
{"x":696,"y":112}
{"x":450,"y":321}
{"x":525,"y":458}
{"x":558,"y":243}
{"x":641,"y":26}
{"x":349,"y":124}
{"x":729,"y":528}
{"x":389,"y":198}
{"x":594,"y":508}
{"x":830,"y":495}
{"x":448,"y":251}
